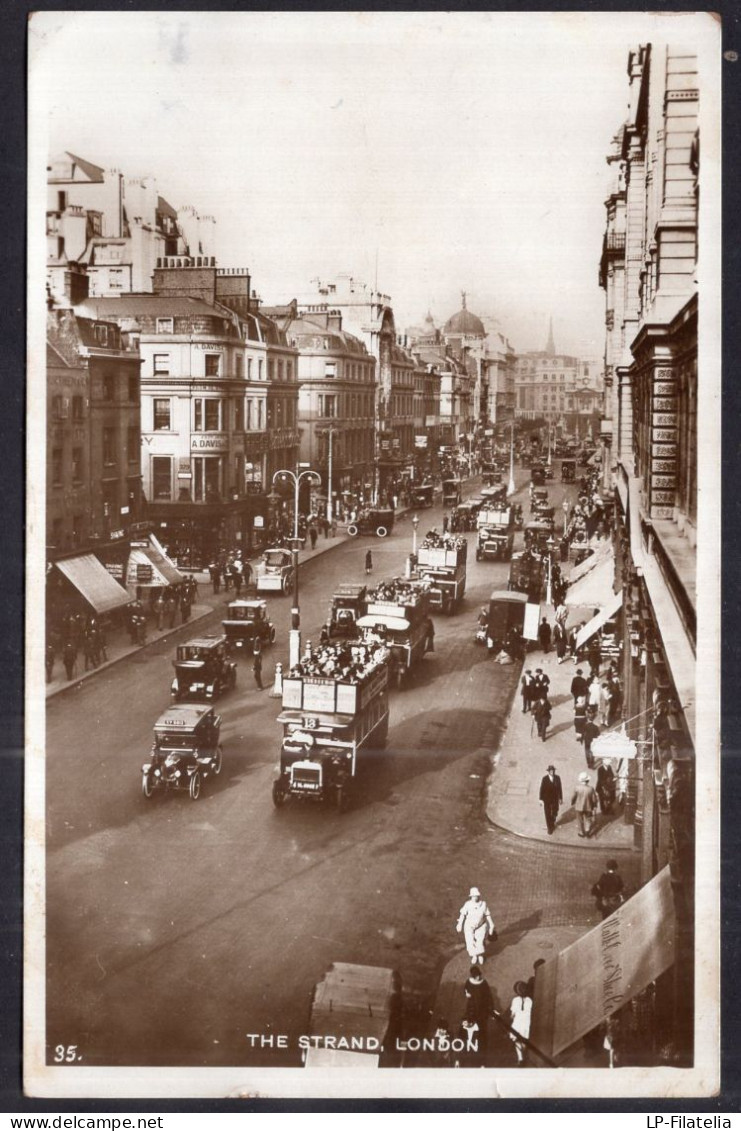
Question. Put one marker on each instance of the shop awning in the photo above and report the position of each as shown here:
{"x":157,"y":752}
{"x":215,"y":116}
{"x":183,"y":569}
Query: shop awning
{"x":602,"y":551}
{"x":595,"y":587}
{"x":158,"y":556}
{"x":93,"y":581}
{"x":597,"y":622}
{"x":604,"y":969}
{"x":148,"y":567}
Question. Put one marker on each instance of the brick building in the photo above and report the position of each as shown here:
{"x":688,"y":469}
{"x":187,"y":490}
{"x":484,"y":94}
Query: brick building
{"x":93,"y":490}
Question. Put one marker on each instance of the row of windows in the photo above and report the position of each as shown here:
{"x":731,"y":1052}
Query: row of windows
{"x":204,"y":484}
{"x":213,"y":367}
{"x":209,"y":414}
{"x":73,"y":408}
{"x":349,"y":370}
{"x":110,"y":455}
{"x":401,"y":404}
{"x":331,"y":405}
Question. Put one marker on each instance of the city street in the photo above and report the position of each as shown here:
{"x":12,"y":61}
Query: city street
{"x":174,"y":929}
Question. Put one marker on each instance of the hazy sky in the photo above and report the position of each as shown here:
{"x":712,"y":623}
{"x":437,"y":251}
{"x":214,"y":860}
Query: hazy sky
{"x":458,"y":151}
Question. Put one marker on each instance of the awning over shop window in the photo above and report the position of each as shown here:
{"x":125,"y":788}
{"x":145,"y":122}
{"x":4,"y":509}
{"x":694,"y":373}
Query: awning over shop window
{"x":597,"y":622}
{"x":163,"y":563}
{"x":142,"y":572}
{"x":596,"y":587}
{"x":149,"y":567}
{"x":605,"y":969}
{"x":603,"y":550}
{"x":93,"y":581}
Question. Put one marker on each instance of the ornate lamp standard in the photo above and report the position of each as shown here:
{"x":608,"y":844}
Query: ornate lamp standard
{"x":415,"y":524}
{"x":295,"y":477}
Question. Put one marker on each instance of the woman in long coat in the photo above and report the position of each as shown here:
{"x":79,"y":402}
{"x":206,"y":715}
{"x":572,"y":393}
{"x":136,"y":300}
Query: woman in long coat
{"x":476,"y":922}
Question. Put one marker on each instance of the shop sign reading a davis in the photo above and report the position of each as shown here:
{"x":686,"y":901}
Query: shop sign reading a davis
{"x":210,"y":442}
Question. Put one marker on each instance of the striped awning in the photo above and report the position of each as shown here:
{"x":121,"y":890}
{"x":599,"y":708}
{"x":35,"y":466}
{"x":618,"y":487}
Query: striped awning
{"x":600,"y":620}
{"x":93,"y":581}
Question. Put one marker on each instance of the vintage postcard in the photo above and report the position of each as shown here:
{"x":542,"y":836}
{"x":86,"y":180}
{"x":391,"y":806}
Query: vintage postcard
{"x":373,"y":555}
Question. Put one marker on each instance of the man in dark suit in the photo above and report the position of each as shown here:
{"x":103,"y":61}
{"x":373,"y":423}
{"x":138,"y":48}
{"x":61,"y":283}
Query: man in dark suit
{"x":579,"y":685}
{"x":541,"y":685}
{"x":551,"y":797}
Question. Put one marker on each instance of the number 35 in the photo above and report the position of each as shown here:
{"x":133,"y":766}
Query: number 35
{"x":66,"y":1054}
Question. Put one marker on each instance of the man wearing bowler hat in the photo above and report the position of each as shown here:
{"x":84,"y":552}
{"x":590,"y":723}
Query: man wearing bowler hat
{"x":551,"y":797}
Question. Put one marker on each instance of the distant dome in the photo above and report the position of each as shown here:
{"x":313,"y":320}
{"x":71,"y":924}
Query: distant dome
{"x":465,"y":324}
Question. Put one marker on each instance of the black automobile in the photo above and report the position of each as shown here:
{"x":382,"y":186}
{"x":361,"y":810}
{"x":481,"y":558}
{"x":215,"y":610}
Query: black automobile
{"x":422,"y":495}
{"x":247,"y":625}
{"x":373,"y":520}
{"x":568,"y":470}
{"x":203,"y":669}
{"x":185,"y":751}
{"x":348,"y":605}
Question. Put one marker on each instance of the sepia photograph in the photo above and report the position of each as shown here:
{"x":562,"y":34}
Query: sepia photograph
{"x":373,"y":555}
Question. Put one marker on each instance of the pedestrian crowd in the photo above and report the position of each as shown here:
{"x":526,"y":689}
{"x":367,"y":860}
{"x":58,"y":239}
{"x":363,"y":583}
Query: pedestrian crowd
{"x":231,"y":571}
{"x":74,"y":635}
{"x":80,"y":639}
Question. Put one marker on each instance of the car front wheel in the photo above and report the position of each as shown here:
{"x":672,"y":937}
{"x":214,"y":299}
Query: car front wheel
{"x":194,"y":787}
{"x":147,"y":785}
{"x":381,"y":531}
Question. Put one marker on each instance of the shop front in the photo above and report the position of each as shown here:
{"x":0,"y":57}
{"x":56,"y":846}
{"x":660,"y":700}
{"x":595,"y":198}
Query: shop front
{"x":193,"y":534}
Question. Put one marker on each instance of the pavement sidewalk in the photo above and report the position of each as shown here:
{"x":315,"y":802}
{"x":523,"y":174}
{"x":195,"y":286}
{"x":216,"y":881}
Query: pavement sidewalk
{"x":509,"y":960}
{"x":522,"y":760}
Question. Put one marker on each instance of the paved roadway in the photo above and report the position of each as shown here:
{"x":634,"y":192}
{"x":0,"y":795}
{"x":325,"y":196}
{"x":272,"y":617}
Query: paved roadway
{"x":175,"y":928}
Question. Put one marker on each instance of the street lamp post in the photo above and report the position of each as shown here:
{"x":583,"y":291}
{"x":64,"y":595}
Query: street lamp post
{"x":330,"y":515}
{"x":411,"y":562}
{"x":294,"y":636}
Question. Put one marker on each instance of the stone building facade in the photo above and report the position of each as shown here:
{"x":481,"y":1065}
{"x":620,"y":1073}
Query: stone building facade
{"x":336,"y":406}
{"x":647,"y":270}
{"x":218,"y":404}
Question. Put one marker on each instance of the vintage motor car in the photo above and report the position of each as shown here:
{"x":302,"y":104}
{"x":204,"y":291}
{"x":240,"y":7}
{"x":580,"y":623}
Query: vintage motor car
{"x":347,"y":606}
{"x":202,"y":669}
{"x":422,"y":495}
{"x":537,"y":474}
{"x":185,"y":751}
{"x":247,"y":626}
{"x":527,"y":575}
{"x":373,"y":520}
{"x":568,"y":470}
{"x":538,"y":536}
{"x":275,"y":571}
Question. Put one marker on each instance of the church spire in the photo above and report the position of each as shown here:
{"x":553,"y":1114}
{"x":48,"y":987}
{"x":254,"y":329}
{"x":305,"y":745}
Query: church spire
{"x":550,"y":348}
